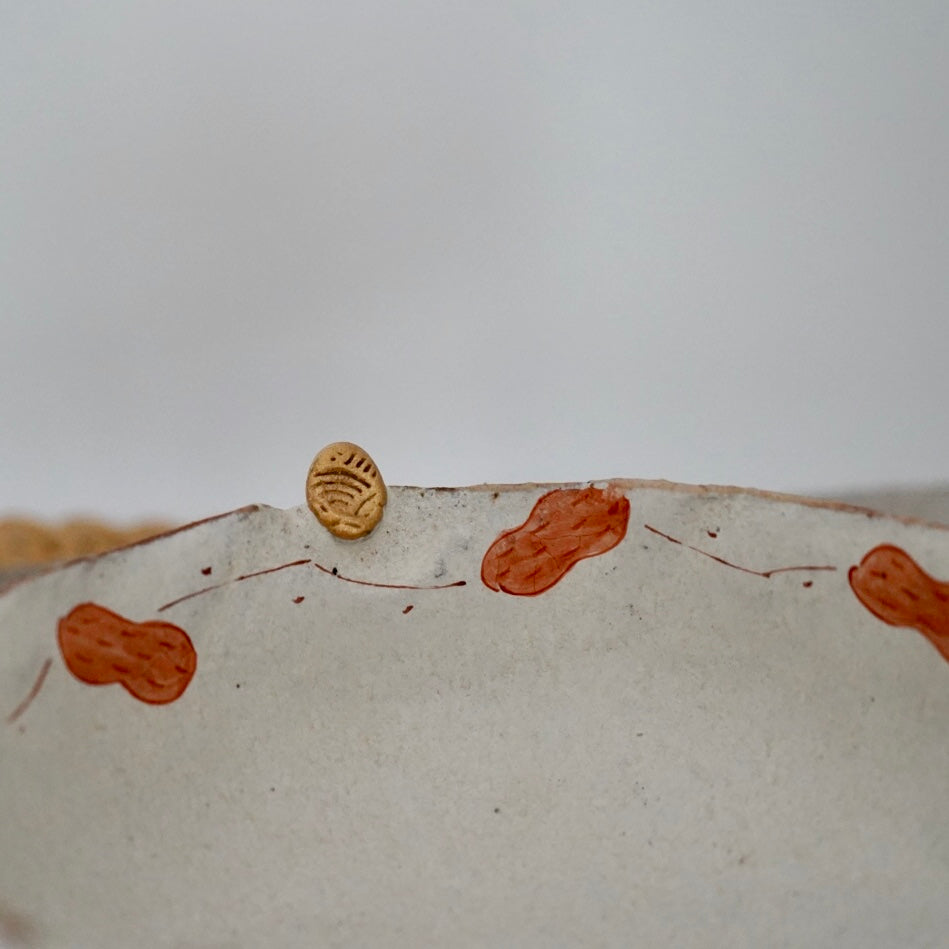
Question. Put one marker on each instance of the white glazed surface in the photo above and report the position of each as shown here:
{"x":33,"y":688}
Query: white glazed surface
{"x":659,"y":750}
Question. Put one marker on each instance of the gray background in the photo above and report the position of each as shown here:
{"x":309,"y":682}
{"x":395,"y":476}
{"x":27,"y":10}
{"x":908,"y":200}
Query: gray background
{"x":488,"y":241}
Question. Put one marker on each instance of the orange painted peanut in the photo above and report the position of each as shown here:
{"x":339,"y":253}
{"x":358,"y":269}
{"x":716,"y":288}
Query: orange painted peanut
{"x":565,"y":527}
{"x":895,"y":589}
{"x":154,"y":661}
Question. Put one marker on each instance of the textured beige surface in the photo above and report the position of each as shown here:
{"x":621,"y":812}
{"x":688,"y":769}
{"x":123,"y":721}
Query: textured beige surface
{"x":661,"y":749}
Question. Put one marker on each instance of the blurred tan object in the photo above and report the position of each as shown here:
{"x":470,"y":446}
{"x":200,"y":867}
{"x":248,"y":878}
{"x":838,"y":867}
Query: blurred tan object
{"x":27,"y":543}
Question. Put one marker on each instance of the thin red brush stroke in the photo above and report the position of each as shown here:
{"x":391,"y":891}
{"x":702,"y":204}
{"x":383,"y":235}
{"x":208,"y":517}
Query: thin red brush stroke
{"x":37,"y":685}
{"x":246,"y":576}
{"x":767,"y":574}
{"x":389,"y":586}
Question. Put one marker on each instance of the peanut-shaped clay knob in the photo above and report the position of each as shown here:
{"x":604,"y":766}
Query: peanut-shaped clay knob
{"x":345,"y":490}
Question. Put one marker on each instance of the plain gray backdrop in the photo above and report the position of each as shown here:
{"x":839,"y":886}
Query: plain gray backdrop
{"x":488,"y":241}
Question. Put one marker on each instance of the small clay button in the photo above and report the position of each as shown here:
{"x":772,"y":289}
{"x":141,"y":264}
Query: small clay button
{"x":345,"y":490}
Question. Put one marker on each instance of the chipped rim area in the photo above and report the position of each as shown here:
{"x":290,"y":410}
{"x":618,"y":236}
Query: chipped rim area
{"x":13,"y":576}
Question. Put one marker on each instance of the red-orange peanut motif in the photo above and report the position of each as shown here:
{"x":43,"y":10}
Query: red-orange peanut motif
{"x":154,"y":661}
{"x":895,"y":589}
{"x":566,"y":526}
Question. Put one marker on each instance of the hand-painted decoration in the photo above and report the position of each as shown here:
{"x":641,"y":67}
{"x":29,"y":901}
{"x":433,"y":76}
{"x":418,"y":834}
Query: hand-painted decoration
{"x":154,"y":661}
{"x":767,"y":574}
{"x":895,"y":589}
{"x":302,"y":563}
{"x":566,"y":526}
{"x":390,"y":586}
{"x":37,"y":685}
{"x":218,"y":586}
